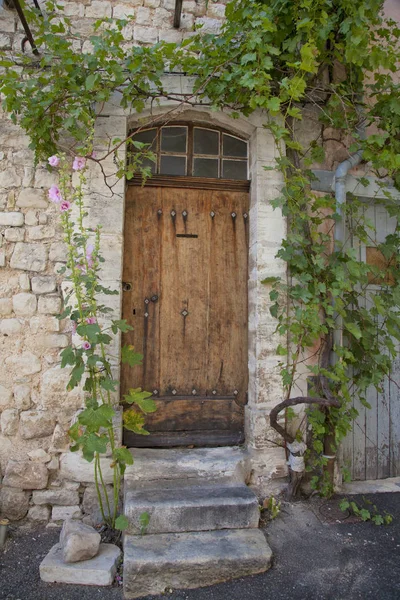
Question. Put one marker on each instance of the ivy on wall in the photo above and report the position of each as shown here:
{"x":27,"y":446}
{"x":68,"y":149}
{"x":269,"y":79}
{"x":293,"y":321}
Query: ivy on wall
{"x":336,"y":57}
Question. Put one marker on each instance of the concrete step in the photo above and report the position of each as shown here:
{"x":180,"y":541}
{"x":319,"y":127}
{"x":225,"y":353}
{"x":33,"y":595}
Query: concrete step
{"x":196,"y":507}
{"x":153,"y":563}
{"x":222,"y":464}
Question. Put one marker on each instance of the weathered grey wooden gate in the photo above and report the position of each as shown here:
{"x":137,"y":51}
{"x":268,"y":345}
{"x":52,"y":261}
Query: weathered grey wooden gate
{"x":372,"y":449}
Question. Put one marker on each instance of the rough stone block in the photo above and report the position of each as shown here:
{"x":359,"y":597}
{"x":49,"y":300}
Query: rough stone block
{"x":24,"y":282}
{"x":57,"y":496}
{"x":2,"y":258}
{"x":31,"y":198}
{"x":10,"y":326}
{"x":42,"y":284}
{"x":145,"y":35}
{"x":22,"y":396}
{"x":44,"y":323}
{"x":9,"y":421}
{"x":39,"y":513}
{"x":53,"y":389}
{"x":209,"y":25}
{"x":31,"y":218}
{"x":14,"y":234}
{"x":5,"y":397}
{"x":14,"y":503}
{"x":24,"y":304}
{"x":60,"y":440}
{"x":29,"y":257}
{"x":26,"y":475}
{"x":98,"y":9}
{"x":24,"y":364}
{"x":209,"y":463}
{"x":52,"y":340}
{"x":90,"y":503}
{"x":74,"y":467}
{"x":197,"y":507}
{"x":61,"y":513}
{"x":78,"y":541}
{"x":36,"y":424}
{"x":39,"y":455}
{"x":190,"y":560}
{"x":41,"y":232}
{"x":99,"y":571}
{"x":50,"y":305}
{"x":9,"y":178}
{"x":58,"y":252}
{"x":45,"y":178}
{"x":143,"y":16}
{"x":11,"y":219}
{"x":5,"y":306}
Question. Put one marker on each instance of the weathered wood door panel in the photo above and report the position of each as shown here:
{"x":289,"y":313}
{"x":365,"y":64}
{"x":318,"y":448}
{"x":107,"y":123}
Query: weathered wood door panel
{"x":372,"y":449}
{"x":185,"y":274}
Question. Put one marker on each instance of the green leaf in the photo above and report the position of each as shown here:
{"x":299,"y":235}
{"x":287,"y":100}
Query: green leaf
{"x":142,"y":399}
{"x":144,"y":521}
{"x":67,"y":356}
{"x":91,"y":81}
{"x":354,"y":329}
{"x":121,"y":523}
{"x":122,"y":325}
{"x":134,"y":421}
{"x":130,"y":357}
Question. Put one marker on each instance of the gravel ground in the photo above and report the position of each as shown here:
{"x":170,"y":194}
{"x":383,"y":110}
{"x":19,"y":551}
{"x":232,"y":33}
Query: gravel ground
{"x":316,"y":558}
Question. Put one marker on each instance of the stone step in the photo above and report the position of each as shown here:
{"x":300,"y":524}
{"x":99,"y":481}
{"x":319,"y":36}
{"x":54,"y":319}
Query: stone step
{"x":196,"y":507}
{"x":222,"y":464}
{"x":153,"y":563}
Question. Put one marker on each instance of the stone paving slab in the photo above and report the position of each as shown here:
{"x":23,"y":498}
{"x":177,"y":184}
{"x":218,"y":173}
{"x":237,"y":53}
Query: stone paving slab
{"x":99,"y":571}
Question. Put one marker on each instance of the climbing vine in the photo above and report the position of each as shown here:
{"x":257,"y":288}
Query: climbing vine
{"x":334,"y":61}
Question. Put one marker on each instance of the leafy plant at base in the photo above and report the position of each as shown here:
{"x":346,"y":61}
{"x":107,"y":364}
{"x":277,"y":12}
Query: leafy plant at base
{"x":366,"y":514}
{"x":89,"y":359}
{"x":333,"y":60}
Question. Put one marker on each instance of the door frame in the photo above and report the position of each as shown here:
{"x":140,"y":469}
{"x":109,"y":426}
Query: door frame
{"x":265,"y":460}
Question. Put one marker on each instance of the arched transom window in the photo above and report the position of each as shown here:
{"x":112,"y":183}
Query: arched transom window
{"x":190,"y":150}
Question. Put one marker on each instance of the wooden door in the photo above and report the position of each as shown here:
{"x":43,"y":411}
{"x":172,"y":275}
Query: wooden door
{"x":372,"y":449}
{"x":185,"y":266}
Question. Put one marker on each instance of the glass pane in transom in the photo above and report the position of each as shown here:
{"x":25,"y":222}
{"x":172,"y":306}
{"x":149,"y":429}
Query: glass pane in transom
{"x":146,"y":137}
{"x":234,"y":169}
{"x":206,"y":141}
{"x":174,"y":139}
{"x":173,"y":165}
{"x":205,"y":167}
{"x":233,"y":146}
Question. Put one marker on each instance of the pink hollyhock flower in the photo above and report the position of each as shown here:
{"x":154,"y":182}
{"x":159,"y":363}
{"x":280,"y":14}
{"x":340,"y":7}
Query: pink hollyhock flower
{"x":64,"y":206}
{"x":55,"y":194}
{"x":91,"y":320}
{"x":86,"y":346}
{"x":53,"y":161}
{"x":79,"y":163}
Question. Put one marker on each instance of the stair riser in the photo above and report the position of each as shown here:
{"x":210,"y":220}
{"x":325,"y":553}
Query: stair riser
{"x":218,"y":464}
{"x":193,"y":518}
{"x":188,"y":561}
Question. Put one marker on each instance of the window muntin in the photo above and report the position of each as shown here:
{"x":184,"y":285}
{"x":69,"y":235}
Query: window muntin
{"x":196,"y":151}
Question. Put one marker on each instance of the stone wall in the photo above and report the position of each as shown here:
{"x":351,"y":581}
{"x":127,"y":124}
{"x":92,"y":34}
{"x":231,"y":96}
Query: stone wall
{"x":35,"y":409}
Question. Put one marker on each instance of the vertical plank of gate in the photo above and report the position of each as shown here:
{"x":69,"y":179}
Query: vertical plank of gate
{"x":227,"y":343}
{"x":143,"y":232}
{"x":359,"y":424}
{"x":371,"y":420}
{"x":383,"y":224}
{"x":394,"y":391}
{"x":185,"y":263}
